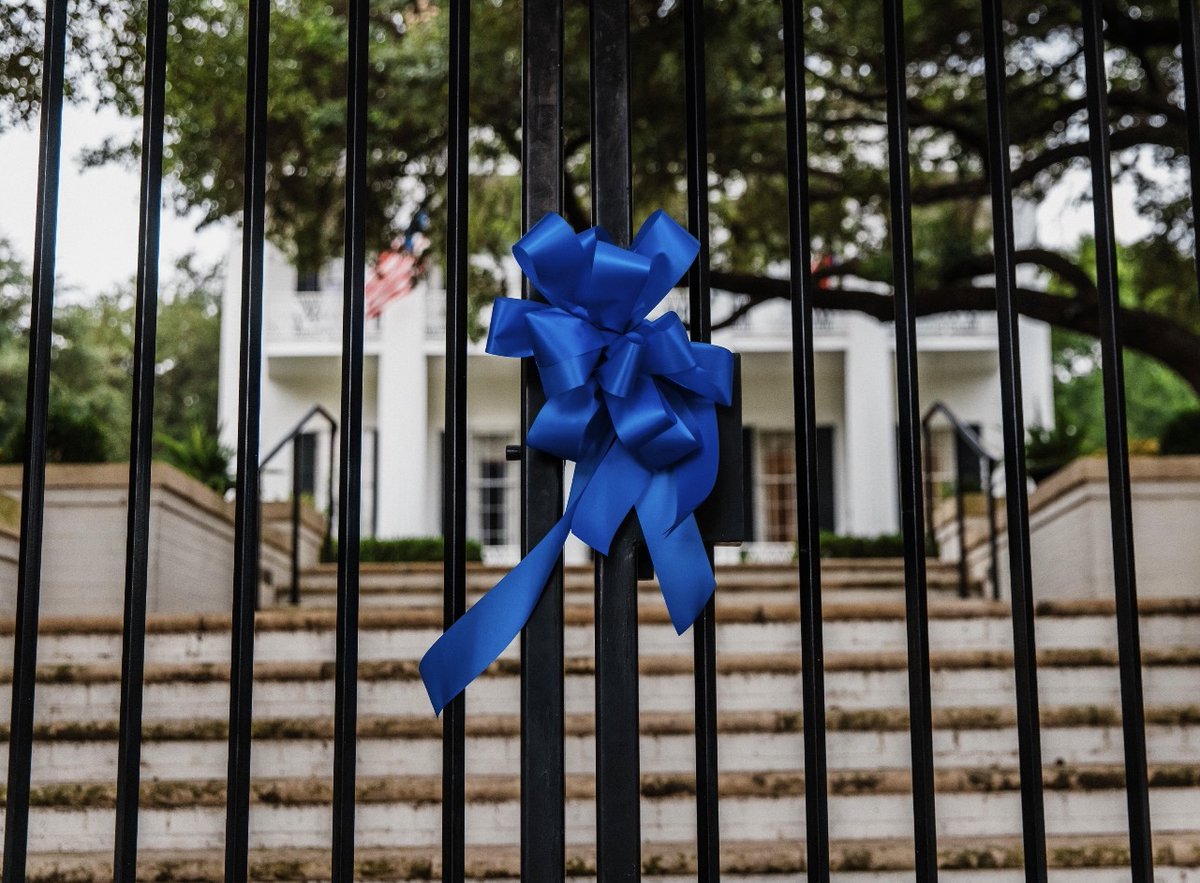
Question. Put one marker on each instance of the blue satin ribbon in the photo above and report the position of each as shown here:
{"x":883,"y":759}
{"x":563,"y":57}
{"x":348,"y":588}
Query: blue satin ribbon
{"x":631,"y":401}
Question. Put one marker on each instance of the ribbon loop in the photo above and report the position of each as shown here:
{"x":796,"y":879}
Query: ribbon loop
{"x":632,"y":402}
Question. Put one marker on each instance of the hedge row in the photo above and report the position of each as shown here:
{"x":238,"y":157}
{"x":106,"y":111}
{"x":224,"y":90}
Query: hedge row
{"x":390,"y":551}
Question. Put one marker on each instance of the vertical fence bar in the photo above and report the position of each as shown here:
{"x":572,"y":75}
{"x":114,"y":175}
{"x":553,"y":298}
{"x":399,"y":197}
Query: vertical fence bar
{"x":454,"y":475}
{"x":911,"y":504}
{"x":1133,"y":720}
{"x":618,"y":792}
{"x":803,"y":290}
{"x":704,"y":631}
{"x":1020,"y":574}
{"x":543,"y":782}
{"x":345,"y":709}
{"x":1189,"y":26}
{"x":33,"y":481}
{"x":247,"y":529}
{"x":137,"y":538}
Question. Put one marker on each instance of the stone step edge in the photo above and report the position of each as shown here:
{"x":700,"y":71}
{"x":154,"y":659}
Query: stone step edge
{"x":938,"y":581}
{"x":424,"y":863}
{"x":648,"y":666}
{"x":419,"y":568}
{"x":425,"y":790}
{"x":653,"y":612}
{"x":581,"y":725}
{"x":383,"y":618}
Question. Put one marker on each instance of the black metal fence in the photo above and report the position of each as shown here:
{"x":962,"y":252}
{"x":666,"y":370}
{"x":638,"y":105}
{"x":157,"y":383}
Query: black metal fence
{"x":542,"y":717}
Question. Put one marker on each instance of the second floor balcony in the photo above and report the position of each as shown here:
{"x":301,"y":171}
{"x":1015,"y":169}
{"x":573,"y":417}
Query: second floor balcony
{"x":307,"y":318}
{"x":299,"y":320}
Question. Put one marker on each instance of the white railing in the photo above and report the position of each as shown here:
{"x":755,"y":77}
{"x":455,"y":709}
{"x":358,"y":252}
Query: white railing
{"x":966,"y":323}
{"x":768,"y":319}
{"x":307,"y":317}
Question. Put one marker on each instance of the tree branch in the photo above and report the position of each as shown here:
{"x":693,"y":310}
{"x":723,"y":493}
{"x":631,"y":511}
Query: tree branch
{"x":1149,"y":333}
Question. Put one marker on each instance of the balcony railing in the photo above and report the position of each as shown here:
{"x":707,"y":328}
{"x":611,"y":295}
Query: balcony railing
{"x":307,"y":317}
{"x":769,"y":319}
{"x":965,"y":323}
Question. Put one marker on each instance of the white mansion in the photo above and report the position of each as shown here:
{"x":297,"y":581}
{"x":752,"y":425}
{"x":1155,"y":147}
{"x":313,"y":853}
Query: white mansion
{"x":404,"y":405}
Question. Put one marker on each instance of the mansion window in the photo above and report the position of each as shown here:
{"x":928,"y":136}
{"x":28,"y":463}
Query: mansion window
{"x":495,"y":491}
{"x":777,"y":481}
{"x":773,"y":486}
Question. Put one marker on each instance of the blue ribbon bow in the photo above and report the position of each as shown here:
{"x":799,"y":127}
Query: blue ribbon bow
{"x":631,"y":401}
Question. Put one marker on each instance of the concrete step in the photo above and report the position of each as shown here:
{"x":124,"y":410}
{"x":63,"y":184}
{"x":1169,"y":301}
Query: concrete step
{"x":405,"y":633}
{"x":851,"y":579}
{"x":763,"y":807}
{"x":86,"y":751}
{"x":746,"y":682}
{"x":1076,"y":859}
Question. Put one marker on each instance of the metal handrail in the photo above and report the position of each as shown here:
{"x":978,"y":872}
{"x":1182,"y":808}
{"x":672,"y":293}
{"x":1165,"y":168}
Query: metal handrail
{"x":290,"y":438}
{"x":969,"y":437}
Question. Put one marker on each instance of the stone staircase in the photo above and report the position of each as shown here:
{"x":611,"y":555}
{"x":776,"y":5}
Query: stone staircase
{"x":846,"y":579}
{"x":762,"y":808}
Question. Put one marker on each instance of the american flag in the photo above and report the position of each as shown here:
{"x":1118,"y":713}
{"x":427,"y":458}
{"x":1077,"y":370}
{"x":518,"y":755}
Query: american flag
{"x":393,"y":275}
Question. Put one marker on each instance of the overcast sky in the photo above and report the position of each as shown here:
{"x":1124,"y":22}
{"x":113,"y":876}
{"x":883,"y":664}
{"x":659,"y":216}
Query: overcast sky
{"x":98,"y":213}
{"x":98,"y":208}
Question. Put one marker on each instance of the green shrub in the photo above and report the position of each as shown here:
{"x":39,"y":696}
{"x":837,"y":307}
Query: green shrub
{"x":199,"y":454}
{"x":1049,"y":450}
{"x":400,"y":549}
{"x":74,"y":434}
{"x":1181,"y":435}
{"x":838,"y":546}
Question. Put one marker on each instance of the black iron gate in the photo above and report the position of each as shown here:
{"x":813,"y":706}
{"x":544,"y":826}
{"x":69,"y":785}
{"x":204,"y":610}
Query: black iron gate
{"x":542,"y":716}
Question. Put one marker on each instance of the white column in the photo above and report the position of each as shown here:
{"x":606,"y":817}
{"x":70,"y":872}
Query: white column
{"x":1037,"y":372}
{"x":231,"y":338}
{"x":404,"y":460}
{"x":871,"y":494}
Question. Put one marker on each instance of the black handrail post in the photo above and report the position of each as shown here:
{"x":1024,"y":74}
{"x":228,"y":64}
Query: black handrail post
{"x":993,"y":555}
{"x":543,"y":779}
{"x":964,"y":434}
{"x":618,"y":786}
{"x":33,"y":481}
{"x":137,"y":539}
{"x":331,"y":504}
{"x":960,"y":520}
{"x":927,"y":452}
{"x":295,"y":550}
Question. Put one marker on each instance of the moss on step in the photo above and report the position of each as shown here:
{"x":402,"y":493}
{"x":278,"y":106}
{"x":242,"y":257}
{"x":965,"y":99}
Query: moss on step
{"x":760,"y":858}
{"x":855,"y":782}
{"x":409,"y":727}
{"x":1088,"y":855}
{"x":980,"y":858}
{"x":1177,"y":606}
{"x":727,"y":664}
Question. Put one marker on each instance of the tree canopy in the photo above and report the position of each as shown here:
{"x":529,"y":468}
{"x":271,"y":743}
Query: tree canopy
{"x":91,"y":364}
{"x":748,"y":186}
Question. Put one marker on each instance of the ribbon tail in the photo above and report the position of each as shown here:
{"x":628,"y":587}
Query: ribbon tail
{"x":678,"y":552}
{"x":477,"y":638}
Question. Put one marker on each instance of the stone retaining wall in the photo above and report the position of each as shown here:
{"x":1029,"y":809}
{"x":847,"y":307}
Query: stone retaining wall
{"x":191,"y":543}
{"x":1071,"y":530}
